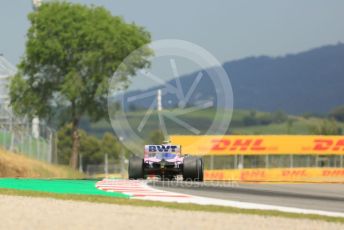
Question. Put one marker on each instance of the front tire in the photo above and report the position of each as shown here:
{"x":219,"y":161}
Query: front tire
{"x":135,"y":169}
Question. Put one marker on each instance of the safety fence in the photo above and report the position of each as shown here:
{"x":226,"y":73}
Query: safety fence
{"x":103,"y":170}
{"x":272,"y":161}
{"x":20,"y":136}
{"x":110,"y":168}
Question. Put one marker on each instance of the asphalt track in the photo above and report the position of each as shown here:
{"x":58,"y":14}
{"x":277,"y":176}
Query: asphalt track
{"x":324,"y":197}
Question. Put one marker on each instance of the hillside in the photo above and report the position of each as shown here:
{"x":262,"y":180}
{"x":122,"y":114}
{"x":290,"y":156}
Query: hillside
{"x":243,"y":122}
{"x":310,"y":81}
{"x":15,"y":165}
{"x":306,"y":82}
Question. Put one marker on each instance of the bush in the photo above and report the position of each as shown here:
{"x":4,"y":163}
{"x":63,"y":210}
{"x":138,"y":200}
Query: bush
{"x":338,"y":113}
{"x":265,"y":119}
{"x":156,"y":137}
{"x":279,"y":117}
{"x":249,"y":120}
{"x":327,"y":127}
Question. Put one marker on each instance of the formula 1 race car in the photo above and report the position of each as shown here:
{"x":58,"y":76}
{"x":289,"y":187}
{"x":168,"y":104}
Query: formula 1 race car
{"x":166,"y":162}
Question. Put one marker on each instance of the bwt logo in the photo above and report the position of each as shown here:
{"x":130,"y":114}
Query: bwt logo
{"x":239,"y":144}
{"x":327,"y":144}
{"x":162,"y":148}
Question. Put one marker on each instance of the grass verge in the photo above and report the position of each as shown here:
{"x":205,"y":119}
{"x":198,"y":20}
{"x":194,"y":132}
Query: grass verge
{"x":17,"y":165}
{"x":177,"y":206}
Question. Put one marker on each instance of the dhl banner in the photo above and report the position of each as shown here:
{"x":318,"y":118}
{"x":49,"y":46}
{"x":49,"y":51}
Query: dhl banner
{"x":260,"y":144}
{"x":312,"y":175}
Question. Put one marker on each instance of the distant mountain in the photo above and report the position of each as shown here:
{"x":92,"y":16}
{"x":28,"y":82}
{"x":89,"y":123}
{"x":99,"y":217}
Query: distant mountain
{"x":310,"y":81}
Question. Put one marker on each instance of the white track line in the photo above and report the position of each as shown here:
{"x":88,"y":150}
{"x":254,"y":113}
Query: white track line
{"x":140,"y":190}
{"x":137,"y":189}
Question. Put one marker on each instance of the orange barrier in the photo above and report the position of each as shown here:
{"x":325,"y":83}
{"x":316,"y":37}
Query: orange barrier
{"x":312,"y":175}
{"x":260,"y":144}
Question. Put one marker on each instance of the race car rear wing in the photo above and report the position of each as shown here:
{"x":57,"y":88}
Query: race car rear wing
{"x":176,"y":149}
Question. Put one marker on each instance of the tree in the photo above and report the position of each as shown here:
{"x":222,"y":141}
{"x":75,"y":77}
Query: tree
{"x":64,"y":144}
{"x":110,"y":145}
{"x":327,"y":127}
{"x":250,"y":118}
{"x":71,"y":52}
{"x":290,"y":123}
{"x":265,"y":119}
{"x":279,"y":116}
{"x":338,"y":113}
{"x":156,"y":137}
{"x":92,"y":149}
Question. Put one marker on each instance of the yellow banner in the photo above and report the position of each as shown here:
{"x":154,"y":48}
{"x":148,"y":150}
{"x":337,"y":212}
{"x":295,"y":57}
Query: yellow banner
{"x":320,"y":175}
{"x":263,"y":144}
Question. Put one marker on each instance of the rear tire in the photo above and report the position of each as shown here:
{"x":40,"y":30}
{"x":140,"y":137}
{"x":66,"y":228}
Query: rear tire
{"x":193,"y":169}
{"x":135,"y":169}
{"x":201,"y":170}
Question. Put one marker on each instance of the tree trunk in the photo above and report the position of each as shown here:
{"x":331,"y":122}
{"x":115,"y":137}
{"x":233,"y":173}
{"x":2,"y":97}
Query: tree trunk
{"x":75,"y":145}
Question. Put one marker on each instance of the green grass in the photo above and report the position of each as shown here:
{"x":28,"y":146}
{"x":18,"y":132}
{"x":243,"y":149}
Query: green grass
{"x":176,"y":206}
{"x":61,"y":186}
{"x":300,"y":126}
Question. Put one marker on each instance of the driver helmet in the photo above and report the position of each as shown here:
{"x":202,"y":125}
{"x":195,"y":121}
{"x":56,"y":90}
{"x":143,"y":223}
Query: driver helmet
{"x":166,"y":142}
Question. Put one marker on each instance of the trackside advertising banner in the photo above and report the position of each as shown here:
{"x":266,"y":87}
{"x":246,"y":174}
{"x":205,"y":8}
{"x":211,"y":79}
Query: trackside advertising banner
{"x":277,"y":175}
{"x":264,"y":144}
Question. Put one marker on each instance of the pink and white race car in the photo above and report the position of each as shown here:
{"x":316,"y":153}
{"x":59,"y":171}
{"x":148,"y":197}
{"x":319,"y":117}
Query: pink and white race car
{"x":166,"y":162}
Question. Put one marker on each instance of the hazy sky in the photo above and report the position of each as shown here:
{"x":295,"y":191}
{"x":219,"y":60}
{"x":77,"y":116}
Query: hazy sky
{"x":228,"y":29}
